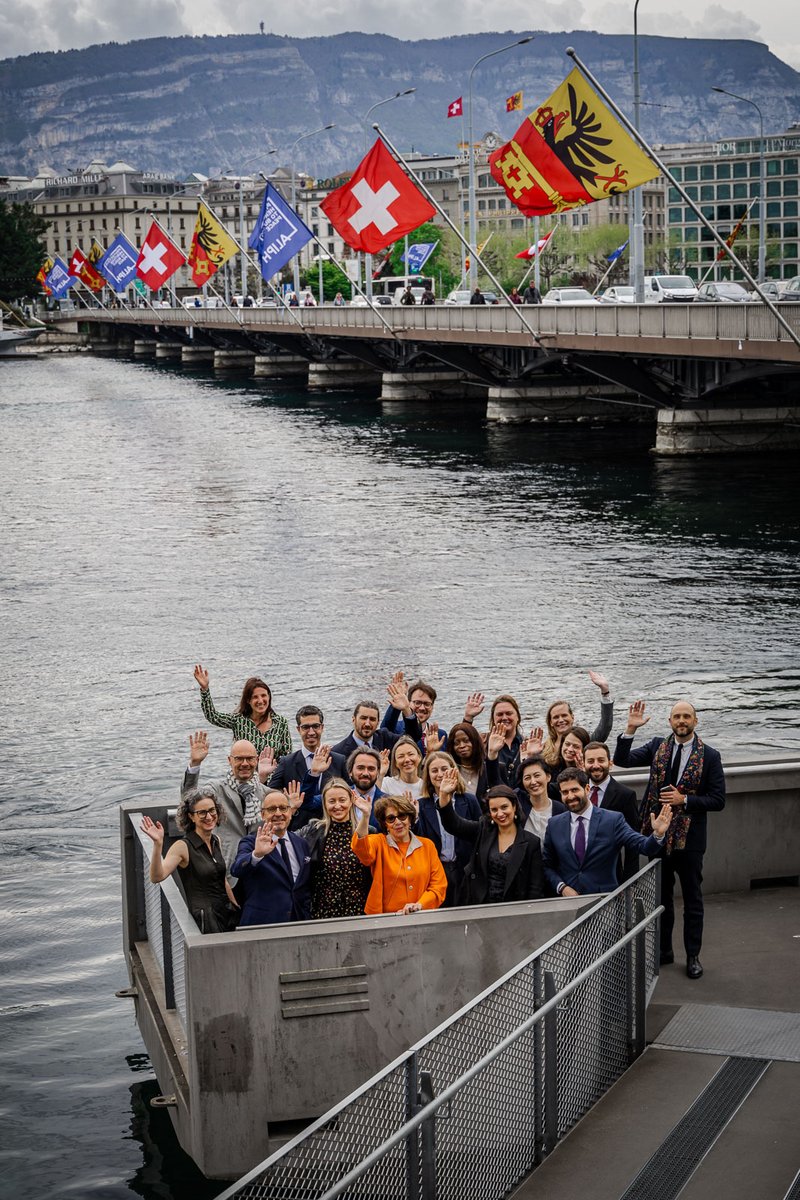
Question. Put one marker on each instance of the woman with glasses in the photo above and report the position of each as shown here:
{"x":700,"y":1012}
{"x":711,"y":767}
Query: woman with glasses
{"x":254,"y":721}
{"x":199,"y":860}
{"x":406,"y":872}
{"x":340,"y":884}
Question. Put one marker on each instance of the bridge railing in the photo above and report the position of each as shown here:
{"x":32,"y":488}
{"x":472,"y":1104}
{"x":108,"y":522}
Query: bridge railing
{"x":681,"y":322}
{"x":471,"y":1109}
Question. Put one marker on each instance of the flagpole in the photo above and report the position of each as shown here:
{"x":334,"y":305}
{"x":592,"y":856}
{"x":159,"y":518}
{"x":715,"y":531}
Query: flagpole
{"x":634,"y":132}
{"x":535,"y":264}
{"x":606,"y":273}
{"x":523,"y":319}
{"x":168,"y":235}
{"x":735,"y":228}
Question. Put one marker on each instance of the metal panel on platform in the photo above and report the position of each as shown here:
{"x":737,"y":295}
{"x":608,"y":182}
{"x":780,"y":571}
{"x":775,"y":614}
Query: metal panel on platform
{"x":740,"y":1032}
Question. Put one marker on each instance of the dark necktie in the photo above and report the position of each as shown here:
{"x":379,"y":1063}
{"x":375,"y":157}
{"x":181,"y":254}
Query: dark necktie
{"x":285,"y":856}
{"x":675,"y":769}
{"x":594,"y":795}
{"x":580,"y":840}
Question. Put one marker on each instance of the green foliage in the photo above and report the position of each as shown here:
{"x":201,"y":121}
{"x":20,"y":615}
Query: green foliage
{"x":444,"y":263}
{"x":22,"y":250}
{"x":573,"y":256}
{"x":333,"y":280}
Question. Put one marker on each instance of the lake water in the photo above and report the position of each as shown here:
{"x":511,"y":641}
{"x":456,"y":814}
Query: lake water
{"x":154,"y":518}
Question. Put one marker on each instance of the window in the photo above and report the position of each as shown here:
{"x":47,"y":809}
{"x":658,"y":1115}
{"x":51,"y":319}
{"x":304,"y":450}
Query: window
{"x":755,"y":169}
{"x":773,"y":230}
{"x":740,"y":170}
{"x":673,"y":196}
{"x":790,"y":208}
{"x":790,"y":229}
{"x":739,"y":191}
{"x":790,"y":250}
{"x":773,"y":210}
{"x":774,"y":187}
{"x":689,"y":214}
{"x":774,"y":166}
{"x":790,"y":187}
{"x":723,"y":212}
{"x":706,"y":192}
{"x":690,"y":235}
{"x":691,"y":174}
{"x":723,"y":170}
{"x":723,"y":191}
{"x":678,"y":173}
{"x":790,"y":166}
{"x":690,"y":254}
{"x":691,"y":192}
{"x":707,"y":171}
{"x":675,"y":216}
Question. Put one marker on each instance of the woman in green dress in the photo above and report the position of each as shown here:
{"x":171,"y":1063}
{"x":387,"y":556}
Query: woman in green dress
{"x":254,"y":721}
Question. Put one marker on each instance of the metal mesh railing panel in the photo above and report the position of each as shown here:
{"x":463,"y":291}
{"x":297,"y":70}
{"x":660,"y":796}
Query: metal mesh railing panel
{"x":152,"y":910}
{"x":490,"y":1133}
{"x":178,"y":943}
{"x":328,"y":1153}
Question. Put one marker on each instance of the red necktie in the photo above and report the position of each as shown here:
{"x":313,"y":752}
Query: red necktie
{"x":594,"y":795}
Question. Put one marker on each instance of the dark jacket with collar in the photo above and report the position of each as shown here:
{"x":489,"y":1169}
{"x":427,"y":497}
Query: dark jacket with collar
{"x":382,"y":738}
{"x":268,"y":894}
{"x":524,"y":876}
{"x":293,"y":768}
{"x":619,"y":798}
{"x":465,"y":805}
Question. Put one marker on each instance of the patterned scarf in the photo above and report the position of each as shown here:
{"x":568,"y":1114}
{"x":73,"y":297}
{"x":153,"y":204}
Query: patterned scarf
{"x":689,"y":784}
{"x":251,"y":807}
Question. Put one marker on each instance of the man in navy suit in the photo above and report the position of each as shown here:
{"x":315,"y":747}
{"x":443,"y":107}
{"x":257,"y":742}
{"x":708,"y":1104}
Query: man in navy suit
{"x":273,"y":867}
{"x":581,"y":846}
{"x":366,"y":719}
{"x":686,"y":774}
{"x":299,"y":767}
{"x":608,"y":793}
{"x":363,"y":767}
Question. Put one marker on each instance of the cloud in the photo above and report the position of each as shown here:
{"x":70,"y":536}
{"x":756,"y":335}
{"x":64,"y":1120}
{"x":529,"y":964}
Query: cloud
{"x":715,"y":22}
{"x":27,"y":26}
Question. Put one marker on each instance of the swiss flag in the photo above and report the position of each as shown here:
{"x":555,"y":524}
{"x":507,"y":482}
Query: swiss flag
{"x":378,"y":205}
{"x":158,"y":258}
{"x":456,"y":109}
{"x":532,"y":251}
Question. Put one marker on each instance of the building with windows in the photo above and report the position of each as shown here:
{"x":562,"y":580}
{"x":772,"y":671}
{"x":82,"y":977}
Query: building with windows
{"x":723,"y":178}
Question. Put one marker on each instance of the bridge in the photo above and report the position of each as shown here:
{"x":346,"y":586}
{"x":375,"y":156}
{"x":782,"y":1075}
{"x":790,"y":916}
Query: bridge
{"x":713,"y":377}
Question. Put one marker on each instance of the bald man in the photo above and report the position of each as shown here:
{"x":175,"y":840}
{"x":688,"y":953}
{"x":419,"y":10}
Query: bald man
{"x":686,"y":774}
{"x":239,"y":794}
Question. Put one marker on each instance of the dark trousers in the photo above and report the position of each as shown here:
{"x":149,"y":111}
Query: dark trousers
{"x":454,"y":873}
{"x":688,"y":866}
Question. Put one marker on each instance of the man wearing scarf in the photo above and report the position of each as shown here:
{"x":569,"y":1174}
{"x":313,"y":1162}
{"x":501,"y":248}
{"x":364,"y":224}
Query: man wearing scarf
{"x":686,"y":774}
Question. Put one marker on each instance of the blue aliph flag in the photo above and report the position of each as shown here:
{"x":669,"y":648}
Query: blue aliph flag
{"x":278,"y":235}
{"x":118,"y":264}
{"x":418,"y":255}
{"x":614,"y":255}
{"x":59,"y":279}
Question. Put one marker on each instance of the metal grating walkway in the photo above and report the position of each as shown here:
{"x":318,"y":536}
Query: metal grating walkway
{"x":740,"y":1032}
{"x":794,"y":1191}
{"x":673,"y":1164}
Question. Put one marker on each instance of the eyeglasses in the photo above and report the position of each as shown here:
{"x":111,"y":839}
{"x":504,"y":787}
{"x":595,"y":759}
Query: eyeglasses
{"x":202,"y":813}
{"x":244,"y":758}
{"x":276,"y":808}
{"x":426,"y":704}
{"x":310,"y":728}
{"x":390,"y":820}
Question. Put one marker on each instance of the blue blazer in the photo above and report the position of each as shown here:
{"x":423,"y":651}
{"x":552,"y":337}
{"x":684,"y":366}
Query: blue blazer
{"x":608,"y":833}
{"x":382,"y":738}
{"x":293,"y":768}
{"x":268,"y":894}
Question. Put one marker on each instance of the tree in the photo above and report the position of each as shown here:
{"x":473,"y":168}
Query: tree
{"x":444,"y":263}
{"x":22,"y":250}
{"x":333,"y":280}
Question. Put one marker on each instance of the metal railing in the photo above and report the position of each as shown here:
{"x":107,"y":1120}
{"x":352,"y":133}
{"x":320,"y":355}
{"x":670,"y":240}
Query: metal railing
{"x":471,"y":1110}
{"x":682,"y":322}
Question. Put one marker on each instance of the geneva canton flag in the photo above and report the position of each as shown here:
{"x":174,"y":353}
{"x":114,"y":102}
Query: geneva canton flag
{"x":279,"y":234}
{"x":118,"y":264}
{"x":378,"y":205}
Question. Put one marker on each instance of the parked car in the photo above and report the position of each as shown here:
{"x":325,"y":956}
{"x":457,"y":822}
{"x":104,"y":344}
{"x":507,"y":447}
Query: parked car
{"x":569,"y":296}
{"x":669,"y":289}
{"x":724,"y":293}
{"x":457,"y":298}
{"x":362,"y":302}
{"x":618,"y":295}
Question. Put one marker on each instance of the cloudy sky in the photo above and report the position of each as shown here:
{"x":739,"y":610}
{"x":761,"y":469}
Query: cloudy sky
{"x":29,"y":25}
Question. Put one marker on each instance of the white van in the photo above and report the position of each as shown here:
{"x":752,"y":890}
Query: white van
{"x":669,"y":289}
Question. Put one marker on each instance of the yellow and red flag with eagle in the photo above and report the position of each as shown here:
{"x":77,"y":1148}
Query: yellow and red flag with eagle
{"x":569,"y":152}
{"x":514,"y":102}
{"x":211,"y":246}
{"x":42,"y":274}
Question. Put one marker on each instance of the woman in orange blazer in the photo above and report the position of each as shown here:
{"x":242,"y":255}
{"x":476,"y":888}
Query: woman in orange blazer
{"x":406,"y":872}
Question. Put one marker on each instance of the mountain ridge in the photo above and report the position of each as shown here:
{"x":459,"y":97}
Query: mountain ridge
{"x":214,"y":103}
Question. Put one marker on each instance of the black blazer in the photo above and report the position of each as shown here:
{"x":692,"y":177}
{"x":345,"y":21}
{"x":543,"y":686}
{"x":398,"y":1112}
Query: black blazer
{"x":465,"y":805}
{"x":524,"y":877}
{"x":709,"y":798}
{"x":619,"y":798}
{"x":382,"y":739}
{"x":293,"y":768}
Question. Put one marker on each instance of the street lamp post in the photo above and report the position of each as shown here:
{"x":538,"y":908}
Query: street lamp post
{"x":762,"y":185}
{"x":636,"y":217}
{"x":473,"y":266}
{"x":364,"y":119}
{"x":302,"y":138}
{"x":240,"y":187}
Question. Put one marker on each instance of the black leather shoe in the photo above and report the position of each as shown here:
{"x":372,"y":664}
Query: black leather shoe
{"x":666,"y":957}
{"x":694,"y":967}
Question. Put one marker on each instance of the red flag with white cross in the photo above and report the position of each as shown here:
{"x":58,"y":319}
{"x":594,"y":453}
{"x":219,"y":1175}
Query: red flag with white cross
{"x":456,"y":108}
{"x":159,"y":258}
{"x":378,"y":204}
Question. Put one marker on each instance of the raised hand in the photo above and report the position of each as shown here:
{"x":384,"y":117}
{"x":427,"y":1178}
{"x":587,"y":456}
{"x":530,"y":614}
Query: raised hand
{"x":432,"y":739}
{"x":266,"y":763}
{"x":398,"y":693}
{"x":321,"y":760}
{"x":154,"y":831}
{"x":384,"y":767}
{"x":534,"y":743}
{"x":294,"y":795}
{"x":448,"y":785}
{"x":661,"y":823}
{"x":198,"y":747}
{"x":636,"y":716}
{"x":361,"y":803}
{"x":600,"y":681}
{"x":266,"y":841}
{"x":474,"y":705}
{"x":573,"y":755}
{"x":412,"y":800}
{"x":201,"y":675}
{"x":496,"y":741}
